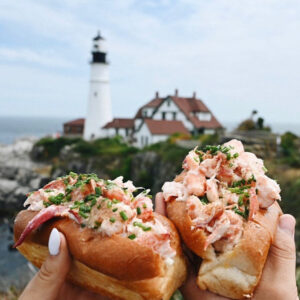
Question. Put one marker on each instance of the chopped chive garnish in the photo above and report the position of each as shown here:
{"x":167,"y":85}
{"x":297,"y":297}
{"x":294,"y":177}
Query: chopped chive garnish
{"x":109,"y":204}
{"x":132,"y":236}
{"x":204,"y":199}
{"x":123,"y":215}
{"x":138,"y":210}
{"x":97,"y":224}
{"x":98,"y":191}
{"x":112,"y":220}
{"x":145,"y":228}
{"x":68,"y":197}
{"x":82,"y":214}
{"x":73,"y":174}
{"x":144,"y":205}
{"x":115,"y":209}
{"x":47,"y":204}
{"x":235,"y":155}
{"x":241,"y":202}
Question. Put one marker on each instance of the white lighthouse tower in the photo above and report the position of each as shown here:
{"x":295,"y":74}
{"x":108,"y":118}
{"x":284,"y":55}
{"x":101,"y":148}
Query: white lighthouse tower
{"x":99,"y":103}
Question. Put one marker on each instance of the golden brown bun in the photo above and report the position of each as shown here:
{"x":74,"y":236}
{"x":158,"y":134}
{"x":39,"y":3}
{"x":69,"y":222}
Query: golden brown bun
{"x":234,"y":273}
{"x":114,"y":266}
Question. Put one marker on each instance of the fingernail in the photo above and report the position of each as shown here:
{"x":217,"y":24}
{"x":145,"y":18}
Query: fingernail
{"x":287,"y":223}
{"x":54,"y":242}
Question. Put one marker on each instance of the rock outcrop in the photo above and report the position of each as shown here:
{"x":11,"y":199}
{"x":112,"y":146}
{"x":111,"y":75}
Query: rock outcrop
{"x":19,"y":175}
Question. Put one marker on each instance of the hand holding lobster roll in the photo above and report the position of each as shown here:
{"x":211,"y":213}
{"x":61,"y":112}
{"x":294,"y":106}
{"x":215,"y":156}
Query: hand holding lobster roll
{"x":225,"y":209}
{"x":120,"y":248}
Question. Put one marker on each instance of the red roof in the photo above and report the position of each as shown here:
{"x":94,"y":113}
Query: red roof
{"x":120,"y":123}
{"x":191,"y":105}
{"x":165,"y":127}
{"x":76,"y":122}
{"x":153,"y":103}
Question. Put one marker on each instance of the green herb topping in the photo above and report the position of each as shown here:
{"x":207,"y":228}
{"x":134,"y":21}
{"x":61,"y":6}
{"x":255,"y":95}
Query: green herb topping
{"x":132,"y":236}
{"x":123,"y":215}
{"x":138,"y":224}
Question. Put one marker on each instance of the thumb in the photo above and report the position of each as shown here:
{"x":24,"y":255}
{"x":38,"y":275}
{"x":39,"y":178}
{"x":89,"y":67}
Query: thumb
{"x":50,"y":278}
{"x":278,"y":280}
{"x":283,"y":252}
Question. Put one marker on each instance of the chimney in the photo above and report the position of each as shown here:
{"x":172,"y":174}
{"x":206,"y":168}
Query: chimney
{"x":156,"y":95}
{"x":176,"y":93}
{"x":194,"y":95}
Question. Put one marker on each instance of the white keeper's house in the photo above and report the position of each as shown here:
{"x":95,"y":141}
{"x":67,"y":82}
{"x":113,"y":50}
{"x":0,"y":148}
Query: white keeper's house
{"x":154,"y":122}
{"x":162,"y":117}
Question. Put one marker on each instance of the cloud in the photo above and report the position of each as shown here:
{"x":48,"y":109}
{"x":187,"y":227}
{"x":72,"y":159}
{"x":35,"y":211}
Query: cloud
{"x":237,"y":55}
{"x":28,"y":56}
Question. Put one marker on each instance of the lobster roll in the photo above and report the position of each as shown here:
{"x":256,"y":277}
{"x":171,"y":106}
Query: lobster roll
{"x":120,"y":248}
{"x":225,"y":209}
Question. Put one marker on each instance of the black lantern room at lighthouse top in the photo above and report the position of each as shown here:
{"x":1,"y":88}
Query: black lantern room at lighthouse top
{"x":98,"y":51}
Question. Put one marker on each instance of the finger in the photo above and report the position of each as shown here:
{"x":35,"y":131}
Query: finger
{"x":50,"y":278}
{"x":279,"y":272}
{"x":190,"y":290}
{"x":160,"y":206}
{"x":282,"y":251}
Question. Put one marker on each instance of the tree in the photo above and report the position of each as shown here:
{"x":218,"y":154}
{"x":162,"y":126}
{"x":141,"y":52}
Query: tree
{"x":260,"y":123}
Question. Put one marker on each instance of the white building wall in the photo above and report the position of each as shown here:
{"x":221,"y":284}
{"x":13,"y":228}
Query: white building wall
{"x":209,"y":131}
{"x":147,"y":112}
{"x":169,"y":109}
{"x":143,"y":136}
{"x":137,"y":123}
{"x":99,"y":104}
{"x":159,"y":138}
{"x":111,"y":132}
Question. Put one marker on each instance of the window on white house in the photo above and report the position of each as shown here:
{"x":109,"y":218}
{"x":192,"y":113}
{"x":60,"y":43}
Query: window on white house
{"x":145,"y":113}
{"x":117,"y":131}
{"x":126,"y":131}
{"x":146,"y":141}
{"x":168,"y":102}
{"x":142,"y":140}
{"x":174,"y":115}
{"x":163,"y":115}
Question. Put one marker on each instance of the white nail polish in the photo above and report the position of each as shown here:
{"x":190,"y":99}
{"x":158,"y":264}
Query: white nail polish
{"x":54,"y":242}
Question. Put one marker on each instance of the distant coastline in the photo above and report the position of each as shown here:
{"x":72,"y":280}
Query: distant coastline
{"x":12,"y":128}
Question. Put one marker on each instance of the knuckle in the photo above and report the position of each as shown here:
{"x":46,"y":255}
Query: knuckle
{"x":45,"y":273}
{"x":284,"y":251}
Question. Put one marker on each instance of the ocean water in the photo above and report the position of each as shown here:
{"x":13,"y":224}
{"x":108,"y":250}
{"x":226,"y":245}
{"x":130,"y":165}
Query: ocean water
{"x":12,"y":128}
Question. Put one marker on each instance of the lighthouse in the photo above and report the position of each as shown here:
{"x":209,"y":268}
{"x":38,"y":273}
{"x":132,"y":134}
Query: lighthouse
{"x":99,"y":103}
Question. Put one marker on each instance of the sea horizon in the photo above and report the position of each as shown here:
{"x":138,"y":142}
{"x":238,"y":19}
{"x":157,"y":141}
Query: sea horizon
{"x":16,"y":127}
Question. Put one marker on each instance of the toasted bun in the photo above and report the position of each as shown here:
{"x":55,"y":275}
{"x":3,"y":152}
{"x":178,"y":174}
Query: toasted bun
{"x":114,"y":266}
{"x":234,"y":273}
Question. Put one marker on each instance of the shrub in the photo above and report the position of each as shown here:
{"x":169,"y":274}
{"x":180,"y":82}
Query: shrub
{"x":52,"y":146}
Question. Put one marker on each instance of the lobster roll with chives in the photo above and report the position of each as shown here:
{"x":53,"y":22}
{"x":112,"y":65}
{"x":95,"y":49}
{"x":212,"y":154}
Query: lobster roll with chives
{"x":225,"y":209}
{"x":120,"y":248}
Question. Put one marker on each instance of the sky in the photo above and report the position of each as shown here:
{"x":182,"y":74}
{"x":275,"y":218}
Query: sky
{"x":237,"y":55}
